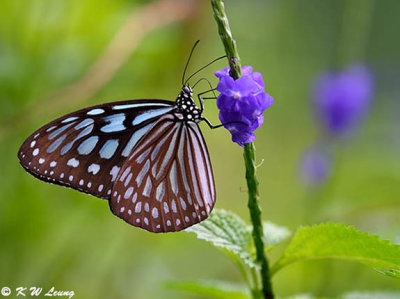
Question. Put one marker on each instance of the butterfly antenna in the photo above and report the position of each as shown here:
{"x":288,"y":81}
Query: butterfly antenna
{"x":208,"y":64}
{"x":187,"y":62}
{"x":209,"y":83}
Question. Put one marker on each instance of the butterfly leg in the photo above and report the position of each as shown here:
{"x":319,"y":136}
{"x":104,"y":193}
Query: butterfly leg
{"x":221,"y":125}
{"x":204,"y":92}
{"x":201,"y":99}
{"x":207,"y":91}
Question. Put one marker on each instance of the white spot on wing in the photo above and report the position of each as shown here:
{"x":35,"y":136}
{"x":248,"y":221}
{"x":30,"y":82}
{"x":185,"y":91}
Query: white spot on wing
{"x":128,"y":192}
{"x":114,"y":172}
{"x":86,"y":147}
{"x":166,"y":209}
{"x":69,"y":119}
{"x":73,"y":162}
{"x":183,"y":204}
{"x":173,"y":205}
{"x":128,"y":179}
{"x":86,"y":122}
{"x":127,"y":106}
{"x":109,"y":148}
{"x":94,"y":168}
{"x":147,"y":187}
{"x":50,"y":129}
{"x":173,"y":179}
{"x":154,"y":213}
{"x":160,"y":191}
{"x":150,"y":114}
{"x":95,"y":111}
{"x":125,"y":173}
{"x":138,"y":207}
{"x":115,"y":123}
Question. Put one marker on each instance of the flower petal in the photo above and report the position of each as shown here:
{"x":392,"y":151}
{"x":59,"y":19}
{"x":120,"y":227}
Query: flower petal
{"x":242,"y":102}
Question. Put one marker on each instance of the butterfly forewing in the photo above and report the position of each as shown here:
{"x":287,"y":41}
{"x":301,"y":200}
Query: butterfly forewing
{"x":167,"y":183}
{"x":86,"y":149}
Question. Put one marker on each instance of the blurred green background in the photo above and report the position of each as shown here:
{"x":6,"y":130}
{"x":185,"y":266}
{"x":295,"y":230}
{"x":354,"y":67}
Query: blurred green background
{"x":53,"y":236}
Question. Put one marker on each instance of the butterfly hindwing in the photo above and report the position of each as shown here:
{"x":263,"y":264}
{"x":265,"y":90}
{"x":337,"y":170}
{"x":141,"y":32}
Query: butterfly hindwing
{"x":86,"y":149}
{"x":167,"y":183}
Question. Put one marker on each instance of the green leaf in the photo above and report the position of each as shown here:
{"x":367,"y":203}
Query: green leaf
{"x":274,"y":234}
{"x":214,"y":289}
{"x":342,"y":242}
{"x":228,"y":231}
{"x":302,"y":296}
{"x":371,"y":295}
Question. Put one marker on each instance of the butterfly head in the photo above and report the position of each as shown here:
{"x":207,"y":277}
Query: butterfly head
{"x":187,"y":106}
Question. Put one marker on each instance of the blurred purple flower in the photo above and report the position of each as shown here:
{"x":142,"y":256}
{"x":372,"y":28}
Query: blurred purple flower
{"x":315,"y":165}
{"x":342,"y":98}
{"x":242,"y":100}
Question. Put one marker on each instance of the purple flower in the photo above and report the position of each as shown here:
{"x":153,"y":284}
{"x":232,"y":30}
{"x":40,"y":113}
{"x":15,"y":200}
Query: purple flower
{"x":315,"y":165}
{"x":342,"y":98}
{"x":243,"y":100}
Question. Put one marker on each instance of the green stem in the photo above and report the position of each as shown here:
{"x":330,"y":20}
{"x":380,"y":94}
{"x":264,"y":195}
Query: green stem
{"x":226,"y":36}
{"x":249,"y":151}
{"x":255,"y":214}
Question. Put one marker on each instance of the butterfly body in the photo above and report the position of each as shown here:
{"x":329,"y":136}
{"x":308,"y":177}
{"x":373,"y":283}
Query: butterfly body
{"x":148,"y":158}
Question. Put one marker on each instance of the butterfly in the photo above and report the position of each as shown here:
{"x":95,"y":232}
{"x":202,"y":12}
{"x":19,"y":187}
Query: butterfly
{"x":148,"y":158}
